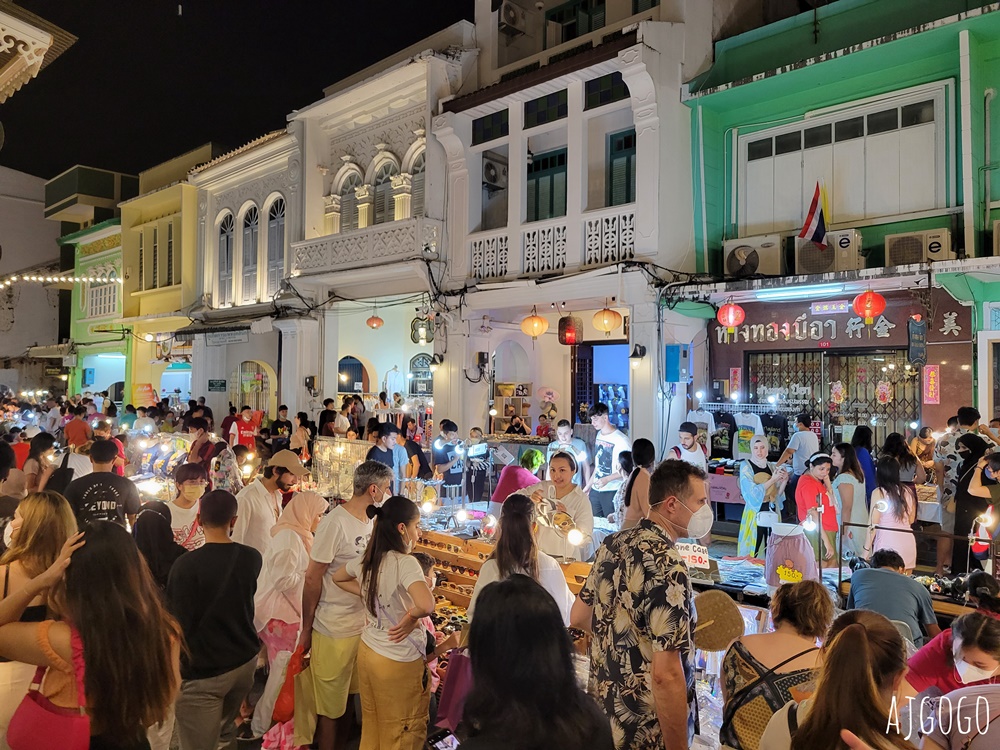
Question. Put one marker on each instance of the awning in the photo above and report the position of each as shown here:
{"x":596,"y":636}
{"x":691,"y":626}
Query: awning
{"x":187,"y":333}
{"x":52,"y":351}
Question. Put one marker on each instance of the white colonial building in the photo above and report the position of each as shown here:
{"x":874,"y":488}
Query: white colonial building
{"x":569,"y":188}
{"x":248,"y":211}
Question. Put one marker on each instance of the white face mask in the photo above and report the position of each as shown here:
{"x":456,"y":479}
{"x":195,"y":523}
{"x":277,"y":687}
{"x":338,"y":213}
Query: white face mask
{"x":969,"y":673}
{"x":698,"y":525}
{"x":408,"y":543}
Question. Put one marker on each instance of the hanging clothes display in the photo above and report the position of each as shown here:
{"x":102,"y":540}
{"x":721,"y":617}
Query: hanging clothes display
{"x":705,"y":422}
{"x":776,"y":430}
{"x":747,"y":425}
{"x":722,"y":438}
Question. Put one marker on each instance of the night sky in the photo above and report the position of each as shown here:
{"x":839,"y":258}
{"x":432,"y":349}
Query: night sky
{"x":142,"y":85}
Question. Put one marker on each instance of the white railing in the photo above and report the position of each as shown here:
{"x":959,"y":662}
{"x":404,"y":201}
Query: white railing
{"x":604,"y":237}
{"x":391,"y":242}
{"x":543,"y":246}
{"x":609,"y":235}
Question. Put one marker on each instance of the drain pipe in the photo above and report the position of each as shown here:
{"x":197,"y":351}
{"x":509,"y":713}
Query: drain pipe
{"x":987,"y":160}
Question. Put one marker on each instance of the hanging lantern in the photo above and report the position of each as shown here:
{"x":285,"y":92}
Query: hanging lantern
{"x":375,"y":322}
{"x":607,"y":320}
{"x":534,"y":325}
{"x":570,"y":330}
{"x":869,"y":305}
{"x":731,"y":315}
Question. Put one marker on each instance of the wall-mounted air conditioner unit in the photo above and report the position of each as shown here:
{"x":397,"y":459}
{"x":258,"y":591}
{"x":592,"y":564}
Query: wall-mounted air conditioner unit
{"x":513,"y":19}
{"x":918,"y":247}
{"x":752,"y":256}
{"x":494,"y":173}
{"x":842,"y":252}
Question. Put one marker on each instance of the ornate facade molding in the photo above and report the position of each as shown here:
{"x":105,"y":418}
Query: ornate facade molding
{"x":26,"y":48}
{"x":258,"y":190}
{"x":99,"y":246}
{"x":395,"y":133}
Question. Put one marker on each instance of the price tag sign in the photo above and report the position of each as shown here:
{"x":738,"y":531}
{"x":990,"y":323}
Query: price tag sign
{"x":695,"y":555}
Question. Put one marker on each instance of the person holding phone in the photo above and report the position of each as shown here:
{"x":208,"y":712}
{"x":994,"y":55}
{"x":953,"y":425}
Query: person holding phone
{"x":761,"y":484}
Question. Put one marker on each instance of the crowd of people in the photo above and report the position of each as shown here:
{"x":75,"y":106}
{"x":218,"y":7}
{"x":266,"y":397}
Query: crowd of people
{"x":223,"y":579}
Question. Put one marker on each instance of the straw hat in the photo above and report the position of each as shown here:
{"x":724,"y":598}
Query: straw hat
{"x":719,"y":621}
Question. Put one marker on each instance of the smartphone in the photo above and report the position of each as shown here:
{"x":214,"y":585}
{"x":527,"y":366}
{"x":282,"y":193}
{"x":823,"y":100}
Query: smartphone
{"x":443,"y":739}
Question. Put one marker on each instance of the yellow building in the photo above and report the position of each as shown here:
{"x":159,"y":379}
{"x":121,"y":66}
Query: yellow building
{"x":160,"y":261}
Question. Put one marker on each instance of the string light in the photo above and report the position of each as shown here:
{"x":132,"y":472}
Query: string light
{"x":105,"y":279}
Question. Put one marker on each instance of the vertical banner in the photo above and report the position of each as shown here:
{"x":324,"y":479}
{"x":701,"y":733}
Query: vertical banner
{"x":932,"y":384}
{"x":736,"y":382}
{"x":917,"y":352}
{"x":143,"y":394}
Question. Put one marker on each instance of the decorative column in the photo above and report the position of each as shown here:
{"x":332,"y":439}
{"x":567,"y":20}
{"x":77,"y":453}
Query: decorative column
{"x":210,"y":363}
{"x":299,"y":359}
{"x":651,"y":174}
{"x":365,"y":195}
{"x":402,"y":194}
{"x":453,"y":132}
{"x":331,"y":206}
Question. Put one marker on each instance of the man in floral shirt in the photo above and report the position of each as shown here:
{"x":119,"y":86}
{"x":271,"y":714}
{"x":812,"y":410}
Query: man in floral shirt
{"x":637,"y":603}
{"x":947,"y":454}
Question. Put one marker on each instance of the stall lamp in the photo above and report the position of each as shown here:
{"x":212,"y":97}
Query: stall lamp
{"x":436,"y":361}
{"x":165,"y":448}
{"x":699,"y":395}
{"x":771,"y":399}
{"x":143,"y":444}
{"x":250,"y":456}
{"x":427,"y":507}
{"x":247,"y":468}
{"x":635,"y":358}
{"x":461,"y":515}
{"x":148,"y":337}
{"x":64,"y":378}
{"x":882,"y":506}
{"x":575,"y":537}
{"x":343,"y":377}
{"x":493,"y":412}
{"x":809,"y":525}
{"x":490,"y":522}
{"x":914,"y":425}
{"x":438,"y":444}
{"x":735,"y":396}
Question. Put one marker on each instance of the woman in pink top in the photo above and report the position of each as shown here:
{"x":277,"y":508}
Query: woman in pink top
{"x":894,"y":505}
{"x":515,"y":478}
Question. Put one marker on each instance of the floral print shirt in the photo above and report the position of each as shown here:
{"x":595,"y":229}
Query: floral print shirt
{"x":641,"y":597}
{"x":947,"y":452}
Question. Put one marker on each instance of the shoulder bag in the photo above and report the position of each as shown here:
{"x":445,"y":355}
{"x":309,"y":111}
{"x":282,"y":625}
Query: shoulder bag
{"x":38,"y":724}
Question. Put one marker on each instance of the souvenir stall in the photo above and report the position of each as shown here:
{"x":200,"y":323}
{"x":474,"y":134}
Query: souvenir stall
{"x":333,"y":463}
{"x":152,"y":459}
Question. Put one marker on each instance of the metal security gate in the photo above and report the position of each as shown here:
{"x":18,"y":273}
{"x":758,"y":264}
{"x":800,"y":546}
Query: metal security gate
{"x":250,"y":386}
{"x":879,"y":389}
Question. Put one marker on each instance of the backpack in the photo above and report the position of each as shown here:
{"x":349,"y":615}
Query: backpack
{"x":61,"y":477}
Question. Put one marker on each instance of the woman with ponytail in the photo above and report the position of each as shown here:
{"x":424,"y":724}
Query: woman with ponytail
{"x":517,"y":553}
{"x":395,"y":684}
{"x":864,"y":662}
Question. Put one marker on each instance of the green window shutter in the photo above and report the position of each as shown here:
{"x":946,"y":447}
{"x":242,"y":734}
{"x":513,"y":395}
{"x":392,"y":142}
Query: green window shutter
{"x":532,"y":193}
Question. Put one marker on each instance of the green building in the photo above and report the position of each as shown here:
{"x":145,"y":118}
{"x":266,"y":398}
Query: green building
{"x":102,"y":345}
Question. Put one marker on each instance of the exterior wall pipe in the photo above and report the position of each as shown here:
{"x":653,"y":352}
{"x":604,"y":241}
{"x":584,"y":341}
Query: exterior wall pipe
{"x":987,"y":159}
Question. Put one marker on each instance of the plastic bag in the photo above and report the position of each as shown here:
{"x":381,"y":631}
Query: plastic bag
{"x":263,"y":712}
{"x":457,"y":684}
{"x":284,"y":704}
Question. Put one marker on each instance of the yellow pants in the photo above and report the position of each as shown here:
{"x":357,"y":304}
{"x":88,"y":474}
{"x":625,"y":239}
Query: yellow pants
{"x":394,"y":702}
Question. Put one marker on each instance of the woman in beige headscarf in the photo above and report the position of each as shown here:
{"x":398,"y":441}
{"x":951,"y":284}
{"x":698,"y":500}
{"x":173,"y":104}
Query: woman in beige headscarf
{"x":761,"y":484}
{"x":278,"y":602}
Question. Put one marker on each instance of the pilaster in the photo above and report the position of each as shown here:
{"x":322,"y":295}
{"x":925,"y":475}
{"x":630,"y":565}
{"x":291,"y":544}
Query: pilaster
{"x":300,"y":358}
{"x":402,"y":194}
{"x":365,"y":195}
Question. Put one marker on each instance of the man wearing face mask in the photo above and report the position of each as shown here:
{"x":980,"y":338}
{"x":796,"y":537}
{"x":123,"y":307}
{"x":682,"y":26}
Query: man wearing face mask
{"x":201,"y":447}
{"x":332,"y":619}
{"x":260,"y":501}
{"x":638,"y":592}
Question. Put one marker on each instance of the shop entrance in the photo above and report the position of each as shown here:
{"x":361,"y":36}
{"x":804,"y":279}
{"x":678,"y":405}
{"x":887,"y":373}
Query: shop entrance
{"x":250,"y":385}
{"x":175,"y":384}
{"x":879,"y":389}
{"x":600,"y":375}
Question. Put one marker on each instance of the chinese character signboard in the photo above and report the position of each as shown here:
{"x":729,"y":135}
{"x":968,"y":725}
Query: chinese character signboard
{"x":917,"y":351}
{"x":735,"y":380}
{"x":932,"y":384}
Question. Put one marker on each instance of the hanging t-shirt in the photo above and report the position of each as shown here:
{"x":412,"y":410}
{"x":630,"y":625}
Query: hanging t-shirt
{"x":747,"y":425}
{"x":705,"y":422}
{"x":776,"y":429}
{"x":722,"y":439}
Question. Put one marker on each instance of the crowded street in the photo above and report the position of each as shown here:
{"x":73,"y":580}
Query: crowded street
{"x":558,"y":375}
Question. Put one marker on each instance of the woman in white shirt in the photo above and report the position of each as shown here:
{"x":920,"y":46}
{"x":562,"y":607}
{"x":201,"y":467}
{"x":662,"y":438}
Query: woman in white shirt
{"x":518,"y":552}
{"x":568,"y":499}
{"x":395,"y":683}
{"x":278,"y":602}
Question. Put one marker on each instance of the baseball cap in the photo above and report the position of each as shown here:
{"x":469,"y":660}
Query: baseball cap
{"x":288,"y":461}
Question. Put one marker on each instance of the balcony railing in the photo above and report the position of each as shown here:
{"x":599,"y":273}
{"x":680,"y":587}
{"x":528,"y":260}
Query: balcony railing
{"x":602,"y":237}
{"x":391,"y":242}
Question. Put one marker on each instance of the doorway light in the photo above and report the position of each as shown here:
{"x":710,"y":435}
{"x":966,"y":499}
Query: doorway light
{"x":800,"y":292}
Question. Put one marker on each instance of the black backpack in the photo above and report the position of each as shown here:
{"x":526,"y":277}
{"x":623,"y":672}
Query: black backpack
{"x":61,"y":477}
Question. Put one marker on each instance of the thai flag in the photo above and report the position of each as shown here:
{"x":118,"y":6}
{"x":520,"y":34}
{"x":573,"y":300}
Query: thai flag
{"x":815,"y":226}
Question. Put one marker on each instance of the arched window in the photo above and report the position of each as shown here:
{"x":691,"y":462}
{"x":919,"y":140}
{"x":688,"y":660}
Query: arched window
{"x":417,"y":195}
{"x":353,"y":376}
{"x":421,"y":382}
{"x":384,"y":205}
{"x":226,"y":230}
{"x":251,"y":230}
{"x":349,"y":202}
{"x":275,"y":246}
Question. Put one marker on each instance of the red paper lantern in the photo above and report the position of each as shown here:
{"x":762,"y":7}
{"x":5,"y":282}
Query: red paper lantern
{"x":731,"y":315}
{"x":869,"y":305}
{"x":570,"y":330}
